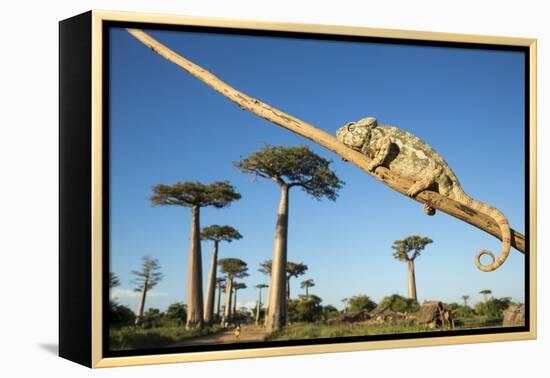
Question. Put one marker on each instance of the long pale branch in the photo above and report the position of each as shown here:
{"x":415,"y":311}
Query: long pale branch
{"x":328,"y":141}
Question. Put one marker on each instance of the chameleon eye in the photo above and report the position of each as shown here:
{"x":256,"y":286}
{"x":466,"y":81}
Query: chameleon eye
{"x":351,"y":127}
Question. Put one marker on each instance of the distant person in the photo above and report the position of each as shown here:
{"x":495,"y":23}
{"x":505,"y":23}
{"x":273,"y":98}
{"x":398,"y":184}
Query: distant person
{"x":237,"y":331}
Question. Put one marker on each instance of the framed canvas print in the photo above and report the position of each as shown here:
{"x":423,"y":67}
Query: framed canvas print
{"x":234,"y":189}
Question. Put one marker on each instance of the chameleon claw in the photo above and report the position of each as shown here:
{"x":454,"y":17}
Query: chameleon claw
{"x":411,"y":193}
{"x":428,"y":210}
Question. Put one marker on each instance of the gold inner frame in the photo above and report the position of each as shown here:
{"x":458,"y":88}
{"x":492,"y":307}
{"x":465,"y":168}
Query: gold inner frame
{"x":97,"y":182}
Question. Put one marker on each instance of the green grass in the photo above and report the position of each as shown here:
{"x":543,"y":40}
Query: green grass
{"x":300,"y":331}
{"x":319,"y":330}
{"x":140,"y":338}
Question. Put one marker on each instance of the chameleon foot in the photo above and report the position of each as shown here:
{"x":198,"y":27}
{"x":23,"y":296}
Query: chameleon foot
{"x":428,"y":210}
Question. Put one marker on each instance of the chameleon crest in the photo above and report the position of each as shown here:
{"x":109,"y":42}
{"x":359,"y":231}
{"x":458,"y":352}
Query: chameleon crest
{"x":413,"y":159}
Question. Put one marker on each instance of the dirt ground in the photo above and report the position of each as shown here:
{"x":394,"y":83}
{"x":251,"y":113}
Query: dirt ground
{"x":249,"y":333}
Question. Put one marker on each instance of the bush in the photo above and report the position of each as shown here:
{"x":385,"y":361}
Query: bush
{"x":359,"y":303}
{"x":152,"y":318}
{"x":242,"y":316}
{"x":461,"y":312}
{"x":307,"y":308}
{"x":493,"y":308}
{"x":398,"y":303}
{"x":120,"y":315}
{"x":329,"y":312}
{"x":177,"y":312}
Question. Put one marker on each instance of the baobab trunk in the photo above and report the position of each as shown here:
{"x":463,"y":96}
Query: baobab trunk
{"x":259,"y":306}
{"x":288,"y":288}
{"x":141,"y":304}
{"x":235,"y":301}
{"x":194,"y":292}
{"x":266,"y":311}
{"x":211,"y":288}
{"x":412,"y":280}
{"x":276,"y":317}
{"x":218,"y":302}
{"x":227,"y":310}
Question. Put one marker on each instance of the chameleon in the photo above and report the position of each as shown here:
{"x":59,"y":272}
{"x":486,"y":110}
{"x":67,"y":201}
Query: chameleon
{"x":411,"y":158}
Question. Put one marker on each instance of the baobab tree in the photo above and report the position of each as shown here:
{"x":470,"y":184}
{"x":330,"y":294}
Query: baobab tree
{"x":220,"y":283}
{"x":233,"y":268}
{"x":307,"y":284}
{"x":216,"y":234}
{"x":288,"y":167}
{"x":145,"y":279}
{"x":465,"y":299}
{"x":259,"y":302}
{"x":236,"y":287}
{"x":485,"y":293}
{"x":194,"y":195}
{"x":402,"y":252}
{"x":292,"y":270}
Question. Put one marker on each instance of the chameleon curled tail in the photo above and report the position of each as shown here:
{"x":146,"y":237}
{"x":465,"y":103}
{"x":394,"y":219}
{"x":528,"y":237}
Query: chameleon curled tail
{"x":503,"y":225}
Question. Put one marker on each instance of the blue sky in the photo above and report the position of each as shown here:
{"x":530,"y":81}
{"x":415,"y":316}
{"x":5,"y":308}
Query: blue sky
{"x":166,"y":126}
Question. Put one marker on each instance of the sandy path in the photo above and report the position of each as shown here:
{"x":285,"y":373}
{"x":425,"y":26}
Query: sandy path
{"x":249,"y":333}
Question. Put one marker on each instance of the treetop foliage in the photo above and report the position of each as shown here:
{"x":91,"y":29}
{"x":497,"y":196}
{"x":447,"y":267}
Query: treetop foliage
{"x":149,"y":273}
{"x":239,"y":285}
{"x":219,"y":233}
{"x":261,"y":286}
{"x":414,"y":243}
{"x":307,"y":283}
{"x":294,"y":166}
{"x":189,"y":194}
{"x":233,"y":267}
{"x":114,"y":281}
{"x":292,"y":269}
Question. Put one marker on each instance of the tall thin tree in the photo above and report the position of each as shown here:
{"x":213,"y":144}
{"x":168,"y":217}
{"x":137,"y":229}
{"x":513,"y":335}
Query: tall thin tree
{"x":233,"y":268}
{"x":485,"y":293}
{"x":236,"y":287}
{"x":407,"y":250}
{"x":220,"y":283}
{"x":259,"y":302}
{"x":145,"y":279}
{"x":306,"y":284}
{"x":216,"y":234}
{"x":195,"y":195}
{"x":465,"y":299}
{"x":292,"y":270}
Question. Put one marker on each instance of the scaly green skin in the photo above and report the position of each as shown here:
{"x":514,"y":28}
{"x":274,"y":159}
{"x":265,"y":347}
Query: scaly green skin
{"x":411,"y":158}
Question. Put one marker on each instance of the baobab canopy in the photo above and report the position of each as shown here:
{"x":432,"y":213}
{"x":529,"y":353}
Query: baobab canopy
{"x":220,"y":233}
{"x":188,"y":194}
{"x":294,"y":166}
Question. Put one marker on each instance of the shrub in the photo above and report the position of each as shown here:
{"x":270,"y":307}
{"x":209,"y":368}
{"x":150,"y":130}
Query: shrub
{"x":361,"y":303}
{"x":329,"y":312}
{"x":120,"y":315}
{"x":152,"y":318}
{"x":242,"y":316}
{"x":460,"y":311}
{"x":493,"y":308}
{"x":307,"y":308}
{"x":177,"y":312}
{"x":398,"y":303}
